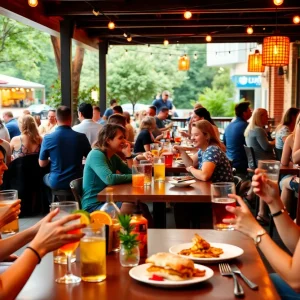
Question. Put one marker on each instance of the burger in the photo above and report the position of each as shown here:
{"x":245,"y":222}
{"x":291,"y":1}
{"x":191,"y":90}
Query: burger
{"x":170,"y":266}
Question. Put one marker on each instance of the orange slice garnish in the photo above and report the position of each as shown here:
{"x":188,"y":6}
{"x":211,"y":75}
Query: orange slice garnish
{"x":101,"y":217}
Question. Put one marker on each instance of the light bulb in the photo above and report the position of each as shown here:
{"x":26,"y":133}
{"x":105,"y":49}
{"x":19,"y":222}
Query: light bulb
{"x":96,"y":13}
{"x":33,"y":3}
{"x":124,"y":34}
{"x":296,"y":20}
{"x":208,"y":38}
{"x":187,"y":14}
{"x":249,"y":30}
{"x":129,"y":38}
{"x":278,"y":2}
{"x":166,"y":42}
{"x":111,"y":25}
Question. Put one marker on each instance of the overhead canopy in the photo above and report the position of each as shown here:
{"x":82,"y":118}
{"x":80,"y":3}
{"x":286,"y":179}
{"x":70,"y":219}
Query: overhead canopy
{"x":12,"y":82}
{"x":151,"y":21}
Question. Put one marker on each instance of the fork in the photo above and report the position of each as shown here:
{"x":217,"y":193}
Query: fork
{"x":251,"y":284}
{"x":226,"y":271}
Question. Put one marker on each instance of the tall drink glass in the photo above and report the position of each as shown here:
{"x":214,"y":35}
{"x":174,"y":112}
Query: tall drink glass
{"x":159,"y":169}
{"x":147,"y":171}
{"x":138,"y":176}
{"x":93,"y":253}
{"x":271,"y":168}
{"x":66,"y":208}
{"x":154,"y":149}
{"x":8,"y":197}
{"x":168,"y":158}
{"x":220,"y":199}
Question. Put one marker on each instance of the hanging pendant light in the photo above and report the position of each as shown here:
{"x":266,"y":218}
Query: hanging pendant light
{"x":276,"y":50}
{"x":255,"y":62}
{"x":33,"y":3}
{"x":184,"y":63}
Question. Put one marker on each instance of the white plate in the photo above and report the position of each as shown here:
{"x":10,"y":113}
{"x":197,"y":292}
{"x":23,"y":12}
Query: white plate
{"x":140,"y":273}
{"x":183,"y":183}
{"x":229,"y":252}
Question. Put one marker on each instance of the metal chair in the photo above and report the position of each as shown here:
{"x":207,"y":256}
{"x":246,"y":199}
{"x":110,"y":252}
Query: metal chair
{"x":76,"y":188}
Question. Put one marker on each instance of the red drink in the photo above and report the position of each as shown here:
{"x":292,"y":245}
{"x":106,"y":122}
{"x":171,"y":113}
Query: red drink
{"x":220,"y":213}
{"x":138,"y":180}
{"x":168,"y":159}
{"x":177,"y":139}
{"x":71,"y":247}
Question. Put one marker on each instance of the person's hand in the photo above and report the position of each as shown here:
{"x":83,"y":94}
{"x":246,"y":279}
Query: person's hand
{"x":11,"y":258}
{"x":127,"y":149}
{"x":170,"y":125}
{"x":177,"y":148}
{"x":244,"y":221}
{"x":53,"y":235}
{"x":9,"y":213}
{"x":148,"y":155}
{"x":265,"y":188}
{"x":184,"y":134}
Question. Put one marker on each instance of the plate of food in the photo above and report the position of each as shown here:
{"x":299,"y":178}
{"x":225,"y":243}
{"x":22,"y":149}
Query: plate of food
{"x":202,"y":251}
{"x":182,"y":181}
{"x":168,"y":270}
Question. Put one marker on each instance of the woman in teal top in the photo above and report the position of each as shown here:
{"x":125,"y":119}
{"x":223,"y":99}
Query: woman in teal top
{"x":102,"y":164}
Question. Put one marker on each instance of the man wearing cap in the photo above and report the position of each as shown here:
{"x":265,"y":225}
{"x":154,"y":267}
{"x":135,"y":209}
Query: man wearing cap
{"x":163,"y":102}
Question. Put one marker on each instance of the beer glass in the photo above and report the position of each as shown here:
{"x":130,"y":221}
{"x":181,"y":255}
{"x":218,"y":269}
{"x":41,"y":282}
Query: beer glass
{"x":159,"y":169}
{"x":154,"y":149}
{"x":93,"y":253}
{"x":138,"y":176}
{"x":220,"y":199}
{"x":66,"y":208}
{"x":147,"y":171}
{"x":8,"y":197}
{"x":271,"y":168}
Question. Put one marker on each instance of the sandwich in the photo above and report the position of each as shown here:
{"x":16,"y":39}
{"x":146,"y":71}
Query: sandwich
{"x":170,"y":266}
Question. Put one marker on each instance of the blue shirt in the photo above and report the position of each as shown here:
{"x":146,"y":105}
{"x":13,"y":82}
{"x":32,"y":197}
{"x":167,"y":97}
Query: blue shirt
{"x":108,"y":112}
{"x":160,"y":103}
{"x":66,"y":148}
{"x":13,"y":128}
{"x":234,"y":140}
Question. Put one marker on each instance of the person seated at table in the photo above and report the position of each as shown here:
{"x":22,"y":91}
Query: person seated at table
{"x":286,"y":126}
{"x":45,"y":236}
{"x":29,"y":142}
{"x":129,"y":127}
{"x":145,"y":137}
{"x":287,"y":279}
{"x":160,"y":125}
{"x":210,"y":162}
{"x":203,"y":114}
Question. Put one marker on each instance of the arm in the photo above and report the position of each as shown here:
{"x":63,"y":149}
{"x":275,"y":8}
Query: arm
{"x":6,"y":134}
{"x":263,"y":140}
{"x":44,"y":153}
{"x":186,"y":158}
{"x":205,"y":173}
{"x":287,"y":151}
{"x":296,"y":147}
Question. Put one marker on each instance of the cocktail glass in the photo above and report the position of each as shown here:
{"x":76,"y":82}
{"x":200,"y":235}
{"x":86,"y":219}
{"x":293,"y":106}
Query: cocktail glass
{"x":271,"y":168}
{"x":220,"y":199}
{"x":66,"y":208}
{"x":8,"y":197}
{"x":93,"y":253}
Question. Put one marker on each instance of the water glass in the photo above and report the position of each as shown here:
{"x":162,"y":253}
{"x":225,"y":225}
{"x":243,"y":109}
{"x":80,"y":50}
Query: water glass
{"x":138,"y":176}
{"x":220,"y":199}
{"x":159,"y":169}
{"x":93,"y":253}
{"x":271,"y":168}
{"x":8,"y":197}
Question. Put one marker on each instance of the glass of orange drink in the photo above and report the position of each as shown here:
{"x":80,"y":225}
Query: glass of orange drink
{"x":138,"y":176}
{"x":8,"y":197}
{"x":154,"y":149}
{"x":66,"y":208}
{"x":159,"y":169}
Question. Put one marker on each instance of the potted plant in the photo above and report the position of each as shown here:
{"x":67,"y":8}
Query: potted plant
{"x":129,"y":252}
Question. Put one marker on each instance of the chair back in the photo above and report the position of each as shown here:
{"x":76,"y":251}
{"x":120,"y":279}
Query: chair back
{"x":278,"y":153}
{"x":238,"y":181}
{"x":250,"y":157}
{"x":76,"y":188}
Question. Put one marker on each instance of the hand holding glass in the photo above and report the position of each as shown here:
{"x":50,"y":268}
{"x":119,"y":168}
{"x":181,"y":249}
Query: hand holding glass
{"x":271,"y":168}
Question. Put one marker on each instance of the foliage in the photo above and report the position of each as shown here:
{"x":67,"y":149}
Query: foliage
{"x":199,"y":77}
{"x":223,"y":81}
{"x":85,"y":95}
{"x":127,"y":239}
{"x":54,"y":98}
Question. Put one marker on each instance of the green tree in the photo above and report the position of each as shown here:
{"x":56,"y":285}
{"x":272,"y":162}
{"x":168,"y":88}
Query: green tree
{"x":223,"y":81}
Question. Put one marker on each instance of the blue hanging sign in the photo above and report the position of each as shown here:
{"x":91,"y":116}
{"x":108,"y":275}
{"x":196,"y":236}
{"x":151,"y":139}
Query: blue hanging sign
{"x":247,"y":81}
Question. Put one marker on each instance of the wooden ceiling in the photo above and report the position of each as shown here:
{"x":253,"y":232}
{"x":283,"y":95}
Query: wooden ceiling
{"x":151,"y":21}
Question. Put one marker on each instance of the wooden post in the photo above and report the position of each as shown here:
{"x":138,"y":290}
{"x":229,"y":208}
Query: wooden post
{"x":66,"y":33}
{"x":103,"y":46}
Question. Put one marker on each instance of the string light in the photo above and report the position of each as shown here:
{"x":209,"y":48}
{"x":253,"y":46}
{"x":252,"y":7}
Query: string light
{"x":124,"y":34}
{"x":187,"y":14}
{"x":296,"y":20}
{"x":195,"y":56}
{"x":111,"y":25}
{"x":129,"y":38}
{"x":33,"y":3}
{"x":166,"y":42}
{"x":278,"y":2}
{"x":96,"y":13}
{"x":208,"y":38}
{"x":249,"y":29}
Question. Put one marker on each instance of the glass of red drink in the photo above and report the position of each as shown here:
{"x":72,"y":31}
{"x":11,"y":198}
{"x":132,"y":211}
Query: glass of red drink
{"x":168,"y":159}
{"x":66,"y":208}
{"x":220,"y":199}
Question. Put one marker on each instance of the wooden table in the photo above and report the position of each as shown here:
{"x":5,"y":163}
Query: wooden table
{"x":159,"y":193}
{"x":120,"y":286}
{"x":289,"y":170}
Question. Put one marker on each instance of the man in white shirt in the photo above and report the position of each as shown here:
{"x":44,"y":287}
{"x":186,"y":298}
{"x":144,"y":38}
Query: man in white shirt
{"x":87,"y":125}
{"x":51,"y":125}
